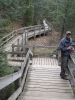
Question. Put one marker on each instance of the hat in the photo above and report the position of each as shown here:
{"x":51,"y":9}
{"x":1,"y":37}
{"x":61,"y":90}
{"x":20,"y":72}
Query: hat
{"x":68,"y":32}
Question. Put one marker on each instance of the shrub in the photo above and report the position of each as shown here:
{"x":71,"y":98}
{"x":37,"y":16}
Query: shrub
{"x":29,"y":16}
{"x":5,"y":70}
{"x":4,"y":23}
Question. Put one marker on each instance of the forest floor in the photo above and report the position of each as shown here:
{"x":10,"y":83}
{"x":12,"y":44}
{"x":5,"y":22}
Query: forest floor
{"x":52,"y":39}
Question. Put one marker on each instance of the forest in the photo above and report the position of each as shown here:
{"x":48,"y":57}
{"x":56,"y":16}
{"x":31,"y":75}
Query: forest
{"x":61,"y":13}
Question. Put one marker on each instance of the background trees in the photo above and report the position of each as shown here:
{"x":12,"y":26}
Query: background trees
{"x":59,"y":12}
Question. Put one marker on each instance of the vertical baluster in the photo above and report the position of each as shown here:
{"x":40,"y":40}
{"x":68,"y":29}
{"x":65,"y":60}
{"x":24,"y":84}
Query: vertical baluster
{"x":22,"y":40}
{"x":48,"y":30}
{"x":44,"y":30}
{"x":18,"y":45}
{"x":39,"y":31}
{"x":12,"y":50}
{"x":34,"y":33}
{"x":25,"y":37}
{"x":33,"y":50}
{"x":18,"y":81}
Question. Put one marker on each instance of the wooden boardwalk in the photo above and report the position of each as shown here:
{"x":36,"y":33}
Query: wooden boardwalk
{"x":43,"y":82}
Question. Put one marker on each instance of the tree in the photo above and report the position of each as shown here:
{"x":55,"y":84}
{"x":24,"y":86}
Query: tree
{"x":29,"y":14}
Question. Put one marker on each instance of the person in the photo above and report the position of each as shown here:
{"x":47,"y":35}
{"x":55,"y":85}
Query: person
{"x":66,"y":46}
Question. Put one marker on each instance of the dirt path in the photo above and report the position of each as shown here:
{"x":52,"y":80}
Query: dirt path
{"x":49,"y":40}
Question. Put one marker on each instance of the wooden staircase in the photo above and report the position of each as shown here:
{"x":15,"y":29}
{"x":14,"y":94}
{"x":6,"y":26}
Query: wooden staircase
{"x":43,"y":82}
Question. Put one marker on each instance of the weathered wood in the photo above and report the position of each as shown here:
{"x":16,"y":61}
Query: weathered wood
{"x":21,"y":30}
{"x":19,"y":90}
{"x":45,"y":81}
{"x":41,"y":98}
{"x":52,"y":47}
{"x":6,"y":38}
{"x":18,"y":81}
{"x":6,"y":80}
{"x":34,"y":33}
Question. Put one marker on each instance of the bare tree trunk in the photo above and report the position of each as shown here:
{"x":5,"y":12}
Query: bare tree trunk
{"x":64,"y":21}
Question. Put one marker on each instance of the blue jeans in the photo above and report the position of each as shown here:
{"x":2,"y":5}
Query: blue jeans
{"x":64,"y":64}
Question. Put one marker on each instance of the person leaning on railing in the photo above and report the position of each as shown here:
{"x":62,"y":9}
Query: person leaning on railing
{"x":66,"y":46}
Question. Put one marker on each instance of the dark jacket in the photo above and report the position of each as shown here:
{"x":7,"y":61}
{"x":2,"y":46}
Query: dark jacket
{"x":64,"y":44}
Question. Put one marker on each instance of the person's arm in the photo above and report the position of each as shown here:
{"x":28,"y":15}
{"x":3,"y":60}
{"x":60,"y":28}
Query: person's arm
{"x":61,"y":47}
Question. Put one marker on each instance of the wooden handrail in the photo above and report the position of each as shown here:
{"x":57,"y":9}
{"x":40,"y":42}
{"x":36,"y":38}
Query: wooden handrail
{"x":28,"y":34}
{"x":71,"y":67}
{"x":6,"y":80}
{"x":6,"y":38}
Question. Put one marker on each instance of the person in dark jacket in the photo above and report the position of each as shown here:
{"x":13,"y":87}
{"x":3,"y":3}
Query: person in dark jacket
{"x":66,"y":46}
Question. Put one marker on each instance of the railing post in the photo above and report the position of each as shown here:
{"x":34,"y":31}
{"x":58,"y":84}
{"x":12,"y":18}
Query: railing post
{"x":44,"y":30}
{"x":26,"y":37}
{"x":39,"y":31}
{"x":18,"y":81}
{"x":34,"y":33}
{"x":51,"y":29}
{"x":22,"y":40}
{"x":33,"y":49}
{"x":15,"y":33}
{"x":26,"y":50}
{"x":18,"y":48}
{"x":48,"y":30}
{"x":18,"y":45}
{"x":12,"y":50}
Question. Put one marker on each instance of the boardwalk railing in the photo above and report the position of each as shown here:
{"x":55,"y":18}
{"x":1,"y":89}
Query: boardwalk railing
{"x":33,"y":32}
{"x":31,"y":29}
{"x":71,"y":67}
{"x":14,"y":33}
{"x":18,"y":77}
{"x":48,"y":51}
{"x":8,"y":37}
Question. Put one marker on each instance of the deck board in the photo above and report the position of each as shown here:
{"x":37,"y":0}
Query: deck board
{"x":43,"y":82}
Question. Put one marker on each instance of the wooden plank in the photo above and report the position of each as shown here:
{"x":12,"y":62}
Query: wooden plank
{"x":48,"y":90}
{"x":6,"y":80}
{"x":57,"y":82}
{"x":46,"y":66}
{"x":47,"y":80}
{"x":19,"y":90}
{"x":41,"y":98}
{"x":47,"y":86}
{"x":45,"y":61}
{"x":48,"y":94}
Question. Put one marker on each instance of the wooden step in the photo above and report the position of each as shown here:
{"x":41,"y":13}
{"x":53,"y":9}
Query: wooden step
{"x":62,"y":84}
{"x":13,"y":63}
{"x":47,"y":94}
{"x":43,"y":82}
{"x":41,"y":98}
{"x":45,"y":61}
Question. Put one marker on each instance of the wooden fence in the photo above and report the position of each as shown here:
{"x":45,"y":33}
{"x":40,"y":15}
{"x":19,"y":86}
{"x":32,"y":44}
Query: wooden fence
{"x":36,"y":29}
{"x":71,"y":67}
{"x":48,"y":51}
{"x":18,"y":77}
{"x":14,"y":33}
{"x":32,"y":32}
